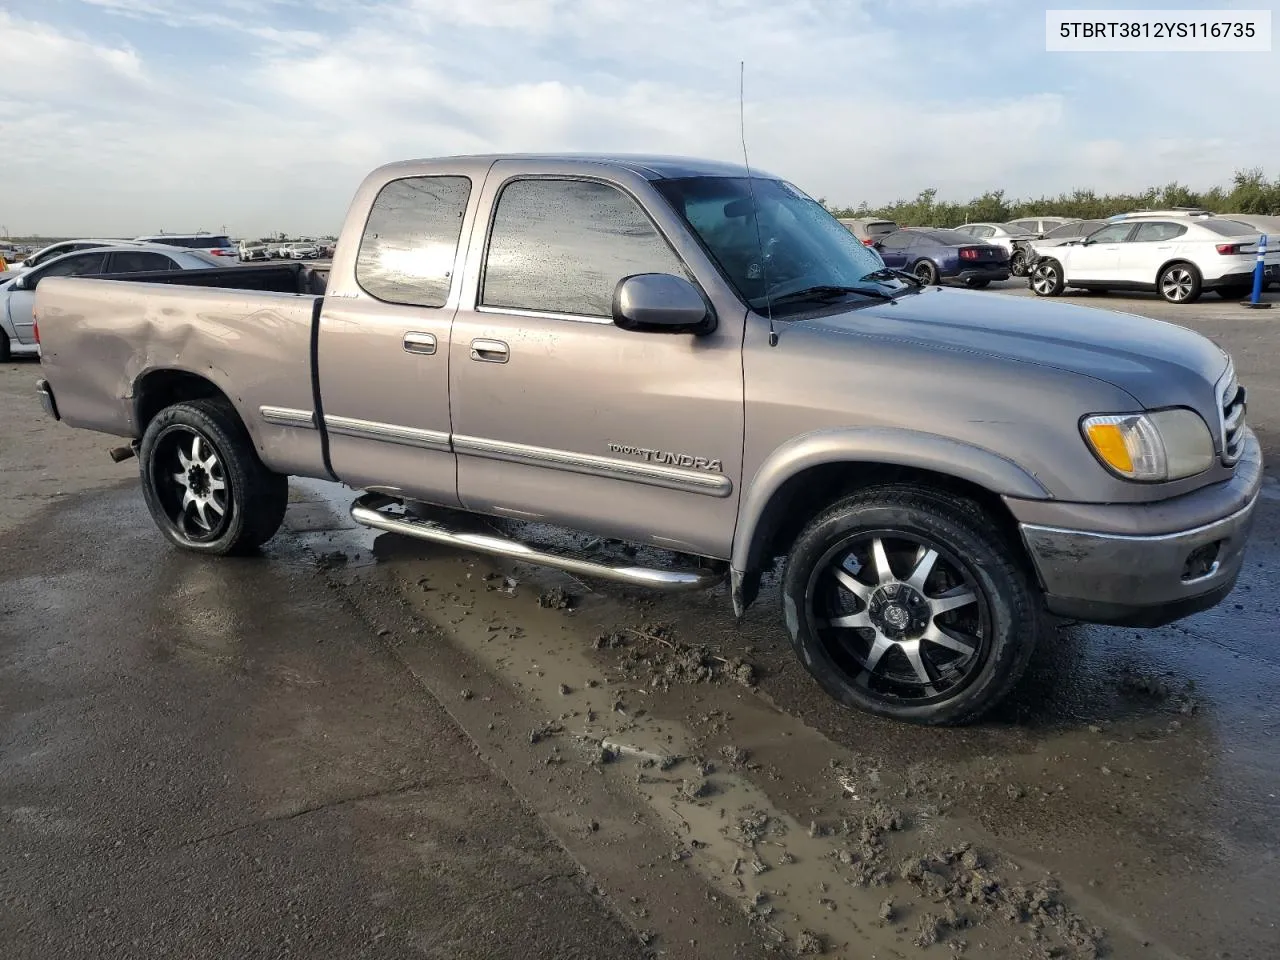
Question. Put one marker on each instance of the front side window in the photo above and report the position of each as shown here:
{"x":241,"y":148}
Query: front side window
{"x":77,"y":265}
{"x":1112,"y":234}
{"x":561,"y":246}
{"x":794,"y":244}
{"x":410,"y":240}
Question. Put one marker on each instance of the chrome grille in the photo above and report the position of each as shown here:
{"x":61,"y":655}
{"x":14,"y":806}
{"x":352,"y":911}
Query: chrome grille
{"x":1232,"y":407}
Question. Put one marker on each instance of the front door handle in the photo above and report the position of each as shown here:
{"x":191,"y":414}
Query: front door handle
{"x":416,"y":342}
{"x":489,"y":351}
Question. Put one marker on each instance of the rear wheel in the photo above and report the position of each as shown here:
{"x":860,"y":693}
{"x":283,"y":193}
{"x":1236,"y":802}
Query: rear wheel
{"x":1179,"y":283}
{"x":203,"y":482}
{"x":1046,"y":278}
{"x":927,"y":272}
{"x":901,"y":601}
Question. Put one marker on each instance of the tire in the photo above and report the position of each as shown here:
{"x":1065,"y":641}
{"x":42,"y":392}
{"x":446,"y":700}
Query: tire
{"x":1179,"y":283}
{"x":999,"y":625}
{"x":1234,"y":293}
{"x":6,"y":348}
{"x":977,"y":284}
{"x":927,"y":271}
{"x":191,"y":448}
{"x":1018,"y":263}
{"x":1045,"y":279}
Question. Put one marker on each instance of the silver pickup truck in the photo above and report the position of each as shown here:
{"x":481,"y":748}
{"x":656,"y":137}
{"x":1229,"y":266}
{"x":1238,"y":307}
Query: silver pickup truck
{"x":674,"y":354}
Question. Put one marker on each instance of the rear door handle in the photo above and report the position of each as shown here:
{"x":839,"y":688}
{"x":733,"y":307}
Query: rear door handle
{"x":416,"y":342}
{"x":490,"y":351}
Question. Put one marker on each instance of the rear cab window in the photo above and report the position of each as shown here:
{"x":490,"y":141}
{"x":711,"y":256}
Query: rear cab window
{"x":410,"y":240}
{"x":560,"y":247}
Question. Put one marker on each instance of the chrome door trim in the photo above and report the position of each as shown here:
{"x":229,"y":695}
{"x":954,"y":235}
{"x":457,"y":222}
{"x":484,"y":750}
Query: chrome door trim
{"x":673,"y":478}
{"x":288,"y":417}
{"x":416,"y":341}
{"x":388,"y":432}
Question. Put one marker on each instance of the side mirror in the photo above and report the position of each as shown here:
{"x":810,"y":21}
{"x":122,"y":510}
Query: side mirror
{"x":660,"y":302}
{"x":20,"y":283}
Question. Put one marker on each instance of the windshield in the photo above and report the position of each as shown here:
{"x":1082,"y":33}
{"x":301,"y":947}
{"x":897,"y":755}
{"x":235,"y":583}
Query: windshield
{"x":804,"y":246}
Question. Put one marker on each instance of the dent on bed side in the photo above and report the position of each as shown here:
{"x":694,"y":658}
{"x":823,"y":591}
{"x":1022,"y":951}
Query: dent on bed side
{"x":874,"y":445}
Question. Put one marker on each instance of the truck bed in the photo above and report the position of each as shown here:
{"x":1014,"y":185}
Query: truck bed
{"x":246,"y":332}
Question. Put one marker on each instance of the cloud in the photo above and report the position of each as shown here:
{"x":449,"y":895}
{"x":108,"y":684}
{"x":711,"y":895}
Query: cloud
{"x":127,"y":116}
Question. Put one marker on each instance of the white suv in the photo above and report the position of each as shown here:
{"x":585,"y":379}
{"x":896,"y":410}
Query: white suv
{"x":1177,"y":257}
{"x":215,"y":244}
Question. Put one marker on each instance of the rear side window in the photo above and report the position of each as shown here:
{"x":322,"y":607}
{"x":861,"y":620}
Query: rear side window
{"x":1151,"y":232}
{"x":1227,"y":228}
{"x":897,"y":241}
{"x":139,"y":261}
{"x":561,"y":246}
{"x":411,"y":240}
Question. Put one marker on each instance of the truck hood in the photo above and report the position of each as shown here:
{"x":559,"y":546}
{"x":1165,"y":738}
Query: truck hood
{"x":1157,"y":363}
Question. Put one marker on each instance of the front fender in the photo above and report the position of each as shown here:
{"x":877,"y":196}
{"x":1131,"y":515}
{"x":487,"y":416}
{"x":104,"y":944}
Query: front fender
{"x":889,"y":446}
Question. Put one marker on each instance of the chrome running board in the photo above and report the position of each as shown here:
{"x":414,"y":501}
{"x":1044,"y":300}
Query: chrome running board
{"x":368,"y":510}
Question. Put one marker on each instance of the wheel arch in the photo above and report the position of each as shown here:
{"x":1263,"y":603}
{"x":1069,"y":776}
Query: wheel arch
{"x":163,"y":387}
{"x":1169,"y":263}
{"x":805,"y":475}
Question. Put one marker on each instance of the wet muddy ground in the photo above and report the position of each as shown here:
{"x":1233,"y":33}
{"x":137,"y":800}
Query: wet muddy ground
{"x":1122,"y":803}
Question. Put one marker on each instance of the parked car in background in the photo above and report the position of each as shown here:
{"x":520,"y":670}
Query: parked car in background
{"x":869,"y":230}
{"x":61,"y":248}
{"x":1263,"y":224}
{"x":1177,"y":257}
{"x":1074,"y":230}
{"x":1016,"y":242}
{"x":938,"y":255}
{"x":17,"y":293}
{"x":214,"y":244}
{"x":299,"y":251}
{"x":1171,"y":212}
{"x":1039,"y":226}
{"x":253,"y":250}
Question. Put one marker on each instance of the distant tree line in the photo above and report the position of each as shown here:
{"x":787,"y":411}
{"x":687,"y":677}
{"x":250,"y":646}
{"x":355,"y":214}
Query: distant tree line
{"x":1250,"y":192}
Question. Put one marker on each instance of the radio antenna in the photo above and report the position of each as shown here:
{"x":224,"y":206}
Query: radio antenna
{"x":755,"y":207}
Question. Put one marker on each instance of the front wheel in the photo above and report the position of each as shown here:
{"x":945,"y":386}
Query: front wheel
{"x":1047,"y":279}
{"x":903,"y":602}
{"x":203,"y":482}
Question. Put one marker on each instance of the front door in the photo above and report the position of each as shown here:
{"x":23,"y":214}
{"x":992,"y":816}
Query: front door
{"x":1099,"y":258}
{"x":561,"y":416}
{"x":1147,"y":250}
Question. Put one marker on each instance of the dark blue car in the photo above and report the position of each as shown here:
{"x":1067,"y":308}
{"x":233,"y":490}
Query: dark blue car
{"x":944,"y":255}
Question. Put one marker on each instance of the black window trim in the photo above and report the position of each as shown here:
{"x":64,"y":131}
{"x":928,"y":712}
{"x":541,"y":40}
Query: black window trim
{"x":459,"y":245}
{"x":480,"y":307}
{"x":1180,"y":227}
{"x":110,"y":260}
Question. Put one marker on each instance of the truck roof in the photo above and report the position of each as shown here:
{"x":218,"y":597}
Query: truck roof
{"x":649,"y":166}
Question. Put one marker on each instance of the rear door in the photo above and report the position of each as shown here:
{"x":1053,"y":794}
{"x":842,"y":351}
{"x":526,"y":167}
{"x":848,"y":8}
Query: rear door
{"x":384,"y":340}
{"x":21,"y":303}
{"x":1147,"y":249}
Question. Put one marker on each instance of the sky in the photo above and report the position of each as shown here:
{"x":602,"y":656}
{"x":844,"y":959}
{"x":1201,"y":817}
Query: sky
{"x":123,"y":117}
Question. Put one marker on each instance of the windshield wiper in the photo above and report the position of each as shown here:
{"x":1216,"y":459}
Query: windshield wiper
{"x":828,"y":292}
{"x":889,"y":273}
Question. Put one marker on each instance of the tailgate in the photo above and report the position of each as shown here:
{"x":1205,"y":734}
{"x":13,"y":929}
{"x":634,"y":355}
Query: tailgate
{"x":105,"y":341}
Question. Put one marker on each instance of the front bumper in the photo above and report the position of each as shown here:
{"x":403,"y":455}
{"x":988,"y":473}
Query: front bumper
{"x":1149,"y":580}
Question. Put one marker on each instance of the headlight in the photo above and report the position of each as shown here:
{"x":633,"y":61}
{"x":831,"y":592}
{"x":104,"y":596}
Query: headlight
{"x":1167,"y":445}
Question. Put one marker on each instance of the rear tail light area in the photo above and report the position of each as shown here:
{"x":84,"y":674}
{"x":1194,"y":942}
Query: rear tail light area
{"x":35,"y":327}
{"x":1235,"y":249}
{"x":969,"y":253}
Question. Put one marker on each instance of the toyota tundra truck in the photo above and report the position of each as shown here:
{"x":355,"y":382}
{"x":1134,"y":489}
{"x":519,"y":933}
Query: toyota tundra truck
{"x":699,"y":358}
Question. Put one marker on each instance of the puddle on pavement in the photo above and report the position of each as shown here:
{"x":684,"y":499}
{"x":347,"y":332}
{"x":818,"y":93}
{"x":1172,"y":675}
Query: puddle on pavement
{"x":809,"y":838}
